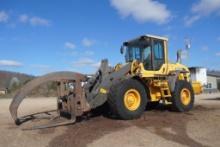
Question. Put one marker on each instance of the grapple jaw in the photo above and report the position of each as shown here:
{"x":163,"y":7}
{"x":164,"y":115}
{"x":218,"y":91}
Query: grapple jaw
{"x":70,"y":101}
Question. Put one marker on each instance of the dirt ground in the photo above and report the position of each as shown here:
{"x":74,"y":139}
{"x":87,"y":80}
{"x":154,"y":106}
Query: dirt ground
{"x":160,"y":127}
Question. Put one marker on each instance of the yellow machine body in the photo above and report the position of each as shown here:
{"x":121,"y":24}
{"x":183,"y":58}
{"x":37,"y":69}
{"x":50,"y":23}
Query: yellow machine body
{"x":155,"y":80}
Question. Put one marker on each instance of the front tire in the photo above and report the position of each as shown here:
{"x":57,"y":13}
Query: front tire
{"x":127,"y":99}
{"x":183,"y":96}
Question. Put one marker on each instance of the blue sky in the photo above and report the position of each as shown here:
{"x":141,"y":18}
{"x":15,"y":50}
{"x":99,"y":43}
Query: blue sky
{"x":37,"y":37}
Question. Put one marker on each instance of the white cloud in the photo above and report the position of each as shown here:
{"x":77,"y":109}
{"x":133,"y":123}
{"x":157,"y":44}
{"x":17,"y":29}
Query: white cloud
{"x":88,"y":42}
{"x":83,"y":62}
{"x":38,"y":21}
{"x":190,"y":20}
{"x":34,"y":21}
{"x":218,"y":54}
{"x":201,"y":9}
{"x":3,"y":16}
{"x":70,"y":45}
{"x":143,"y":10}
{"x":206,"y":7}
{"x":10,"y":63}
{"x":23,"y":18}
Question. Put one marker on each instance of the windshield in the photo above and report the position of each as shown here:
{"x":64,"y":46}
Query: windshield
{"x":150,"y":54}
{"x":138,"y":53}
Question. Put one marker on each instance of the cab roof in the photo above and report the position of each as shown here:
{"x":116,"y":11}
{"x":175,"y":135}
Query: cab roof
{"x":146,"y":36}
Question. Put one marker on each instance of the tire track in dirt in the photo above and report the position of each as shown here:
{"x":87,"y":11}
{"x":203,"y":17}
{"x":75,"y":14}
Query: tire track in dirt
{"x":83,"y":133}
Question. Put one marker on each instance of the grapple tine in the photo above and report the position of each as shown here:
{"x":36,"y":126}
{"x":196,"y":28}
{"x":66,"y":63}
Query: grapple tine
{"x":52,"y":124}
{"x":26,"y":118}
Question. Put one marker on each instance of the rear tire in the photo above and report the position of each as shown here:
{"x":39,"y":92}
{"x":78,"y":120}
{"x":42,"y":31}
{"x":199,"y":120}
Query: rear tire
{"x":127,"y":99}
{"x":183,"y":96}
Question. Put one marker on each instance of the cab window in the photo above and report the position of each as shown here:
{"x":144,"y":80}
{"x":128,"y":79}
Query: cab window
{"x":158,"y":51}
{"x":133,"y":53}
{"x":147,"y":59}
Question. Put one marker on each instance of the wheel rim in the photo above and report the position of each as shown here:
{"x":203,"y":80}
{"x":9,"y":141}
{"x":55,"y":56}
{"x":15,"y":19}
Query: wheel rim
{"x":185,"y":96}
{"x":132,"y":99}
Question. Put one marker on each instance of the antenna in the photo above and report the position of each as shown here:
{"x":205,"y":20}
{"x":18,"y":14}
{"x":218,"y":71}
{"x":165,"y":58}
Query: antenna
{"x":185,"y":52}
{"x":187,"y":42}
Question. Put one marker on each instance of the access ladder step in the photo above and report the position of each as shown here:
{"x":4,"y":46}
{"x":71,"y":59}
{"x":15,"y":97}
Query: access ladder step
{"x":165,"y":92}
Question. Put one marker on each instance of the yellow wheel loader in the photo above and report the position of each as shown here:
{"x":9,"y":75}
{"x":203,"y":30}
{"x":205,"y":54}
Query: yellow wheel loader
{"x":146,"y":79}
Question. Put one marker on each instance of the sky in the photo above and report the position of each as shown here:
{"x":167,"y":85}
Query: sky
{"x":42,"y":36}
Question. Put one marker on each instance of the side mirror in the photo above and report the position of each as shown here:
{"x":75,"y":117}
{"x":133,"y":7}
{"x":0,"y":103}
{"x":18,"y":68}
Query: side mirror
{"x":122,"y":49}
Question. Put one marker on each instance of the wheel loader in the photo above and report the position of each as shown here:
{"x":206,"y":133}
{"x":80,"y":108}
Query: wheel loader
{"x":146,"y":79}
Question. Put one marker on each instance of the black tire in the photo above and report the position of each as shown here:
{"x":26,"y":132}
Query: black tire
{"x":116,"y":99}
{"x":177,"y":104}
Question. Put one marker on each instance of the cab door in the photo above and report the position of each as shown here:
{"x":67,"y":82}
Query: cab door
{"x":158,"y":54}
{"x":157,"y":63}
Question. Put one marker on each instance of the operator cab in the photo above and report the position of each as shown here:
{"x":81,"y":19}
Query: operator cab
{"x":147,"y":49}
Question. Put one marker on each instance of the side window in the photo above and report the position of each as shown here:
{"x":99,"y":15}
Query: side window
{"x":146,"y":55}
{"x":158,"y":51}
